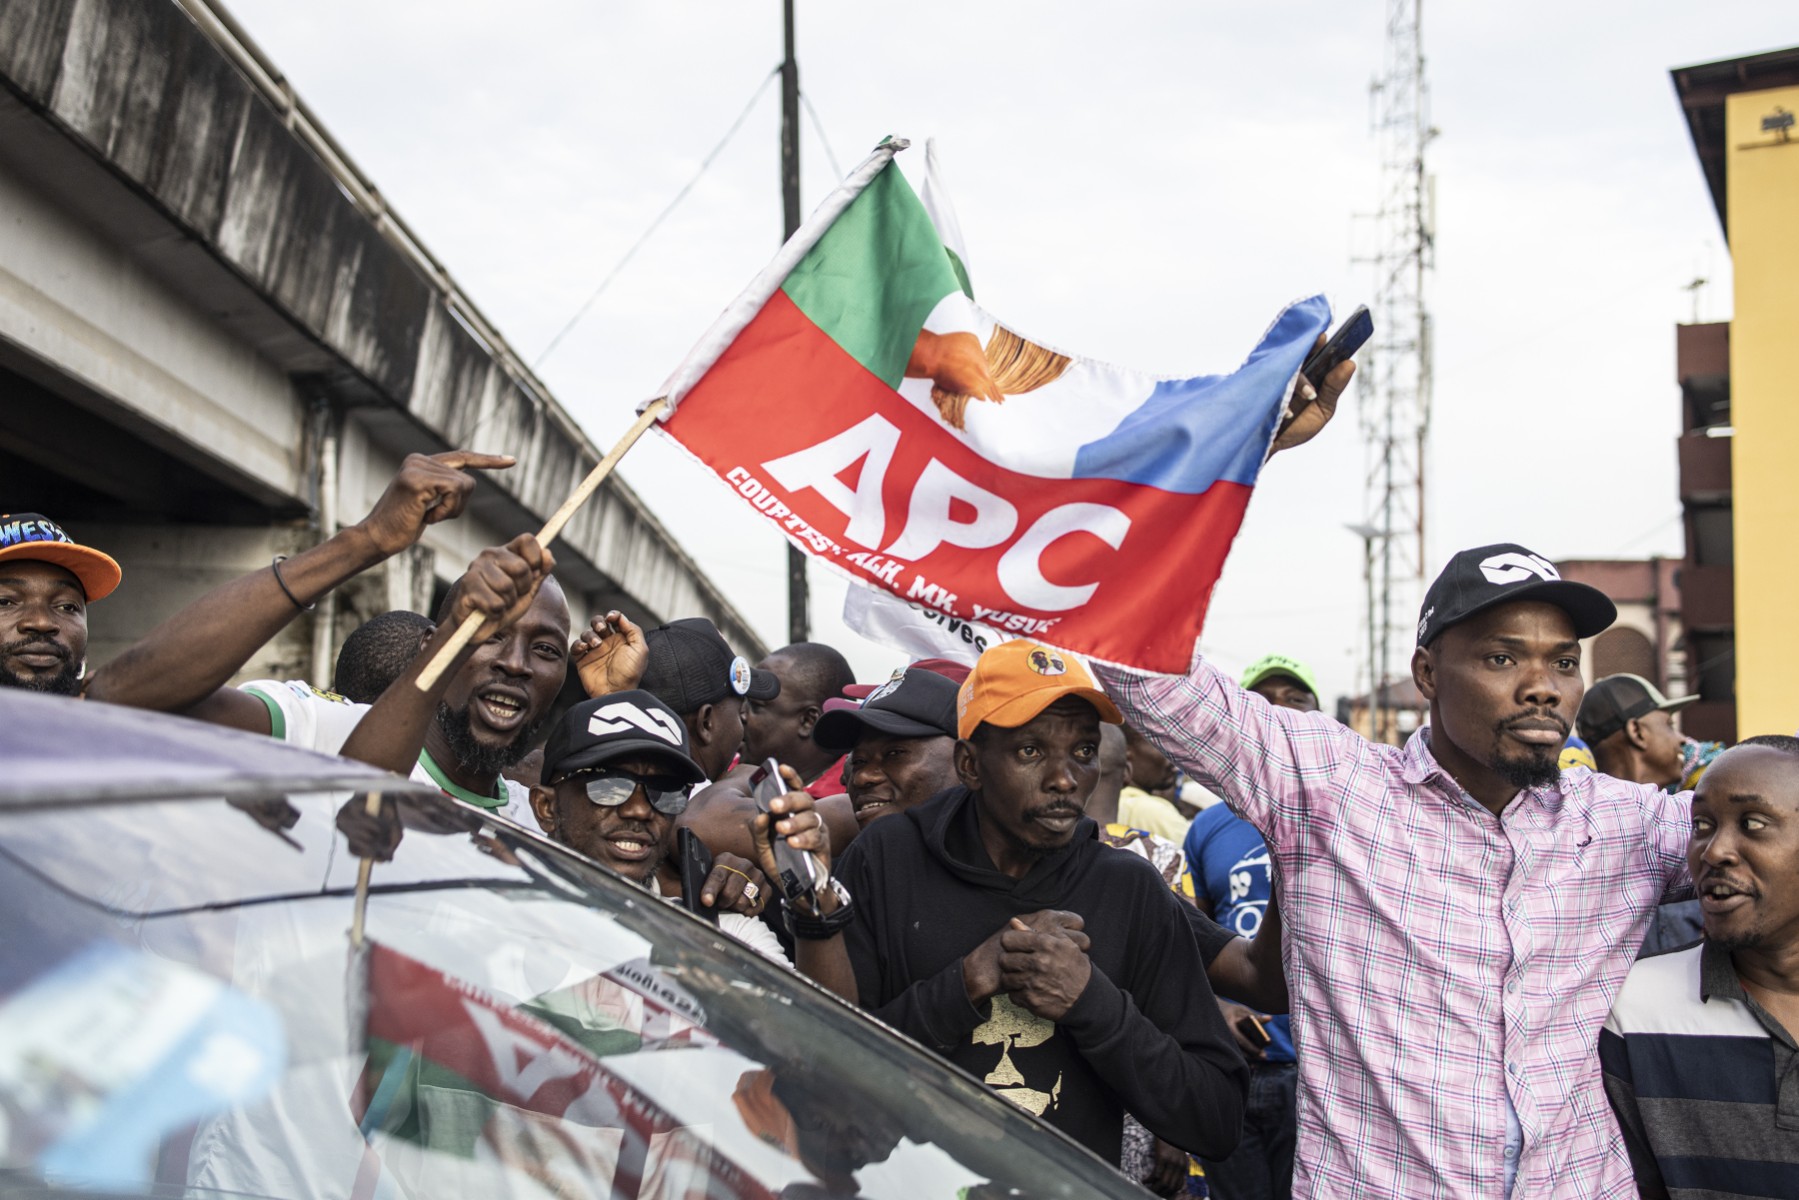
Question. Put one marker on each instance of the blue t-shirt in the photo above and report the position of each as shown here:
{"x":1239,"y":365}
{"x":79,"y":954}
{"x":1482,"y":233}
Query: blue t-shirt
{"x":1231,"y":870}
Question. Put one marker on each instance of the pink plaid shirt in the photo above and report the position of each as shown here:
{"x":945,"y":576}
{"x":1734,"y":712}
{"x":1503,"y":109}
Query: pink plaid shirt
{"x":1440,"y":959}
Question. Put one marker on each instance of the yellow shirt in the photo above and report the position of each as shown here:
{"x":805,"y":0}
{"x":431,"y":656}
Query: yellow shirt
{"x":1140,"y":810}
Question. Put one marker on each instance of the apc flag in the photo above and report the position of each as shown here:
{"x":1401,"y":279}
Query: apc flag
{"x":538,"y":1090}
{"x":860,"y":400}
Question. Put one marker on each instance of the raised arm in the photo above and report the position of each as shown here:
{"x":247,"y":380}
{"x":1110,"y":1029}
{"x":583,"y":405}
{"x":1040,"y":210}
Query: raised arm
{"x":184,"y":663}
{"x":1270,"y":765}
{"x":500,"y":584}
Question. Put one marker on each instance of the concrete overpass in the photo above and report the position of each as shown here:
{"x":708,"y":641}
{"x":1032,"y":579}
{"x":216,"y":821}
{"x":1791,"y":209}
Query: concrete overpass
{"x":217,"y":341}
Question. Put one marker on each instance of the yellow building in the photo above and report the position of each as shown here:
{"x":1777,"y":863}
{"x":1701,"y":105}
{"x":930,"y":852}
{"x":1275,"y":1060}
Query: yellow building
{"x":1744,"y":119}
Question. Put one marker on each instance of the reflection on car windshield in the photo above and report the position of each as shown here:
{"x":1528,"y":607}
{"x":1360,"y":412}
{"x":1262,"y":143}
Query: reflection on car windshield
{"x":517,"y":1024}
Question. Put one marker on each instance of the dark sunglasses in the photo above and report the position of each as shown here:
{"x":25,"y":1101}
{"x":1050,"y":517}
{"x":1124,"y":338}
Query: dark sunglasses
{"x":611,"y":787}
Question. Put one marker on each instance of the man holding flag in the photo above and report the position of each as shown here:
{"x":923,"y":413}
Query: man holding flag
{"x":1462,"y":914}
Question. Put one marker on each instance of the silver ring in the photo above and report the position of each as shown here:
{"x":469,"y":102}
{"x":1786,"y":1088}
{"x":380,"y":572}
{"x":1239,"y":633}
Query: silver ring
{"x":751,"y":891}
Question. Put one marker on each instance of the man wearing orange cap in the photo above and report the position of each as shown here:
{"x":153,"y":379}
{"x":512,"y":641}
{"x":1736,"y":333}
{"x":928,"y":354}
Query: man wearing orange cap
{"x":47,"y":580}
{"x":993,"y":926}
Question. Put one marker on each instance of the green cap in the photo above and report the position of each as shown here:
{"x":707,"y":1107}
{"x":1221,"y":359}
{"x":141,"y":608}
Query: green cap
{"x":1279,"y":664}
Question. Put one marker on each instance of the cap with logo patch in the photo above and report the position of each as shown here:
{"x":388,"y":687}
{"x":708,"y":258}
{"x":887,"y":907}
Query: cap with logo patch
{"x":915,"y":703}
{"x":691,"y":665}
{"x":35,"y":536}
{"x":621,"y":725}
{"x":1479,"y":579}
{"x":1617,"y":700}
{"x":1014,"y":681}
{"x":954,"y":671}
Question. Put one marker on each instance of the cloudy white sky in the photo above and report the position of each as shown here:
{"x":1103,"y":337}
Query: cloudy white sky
{"x":1145,"y":183}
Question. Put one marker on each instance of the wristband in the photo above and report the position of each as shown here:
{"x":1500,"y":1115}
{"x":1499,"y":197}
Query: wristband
{"x":287,"y":591}
{"x":811,"y":927}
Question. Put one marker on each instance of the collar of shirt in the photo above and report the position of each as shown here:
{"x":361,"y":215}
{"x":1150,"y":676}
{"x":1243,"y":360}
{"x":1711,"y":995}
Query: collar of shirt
{"x":1419,"y":766}
{"x":455,"y":790}
{"x":1718,"y":978}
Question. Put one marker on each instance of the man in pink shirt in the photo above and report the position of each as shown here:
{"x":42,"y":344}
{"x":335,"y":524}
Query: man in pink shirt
{"x":1460,"y":913}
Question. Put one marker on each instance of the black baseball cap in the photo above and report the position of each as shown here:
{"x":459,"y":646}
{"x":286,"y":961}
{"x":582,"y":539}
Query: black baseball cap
{"x":691,"y":664}
{"x":620,"y":725}
{"x":915,"y":703}
{"x":1616,"y":701}
{"x":1479,"y":579}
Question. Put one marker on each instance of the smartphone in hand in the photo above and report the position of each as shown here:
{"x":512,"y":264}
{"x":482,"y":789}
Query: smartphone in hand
{"x":696,"y":866}
{"x":1343,"y":344}
{"x":798,"y":870}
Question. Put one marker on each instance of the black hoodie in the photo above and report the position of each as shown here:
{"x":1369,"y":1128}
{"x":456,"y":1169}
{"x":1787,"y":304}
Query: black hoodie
{"x":1145,"y":1035}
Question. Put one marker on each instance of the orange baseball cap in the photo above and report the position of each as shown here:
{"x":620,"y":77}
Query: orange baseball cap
{"x":1016,"y":680}
{"x":32,"y":535}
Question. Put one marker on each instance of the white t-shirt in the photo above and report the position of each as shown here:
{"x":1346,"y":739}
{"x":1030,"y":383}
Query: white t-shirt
{"x":748,"y":930}
{"x":305,"y":716}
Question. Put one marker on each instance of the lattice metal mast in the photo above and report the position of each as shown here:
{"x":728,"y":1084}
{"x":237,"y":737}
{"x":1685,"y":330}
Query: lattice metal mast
{"x":1396,"y":418}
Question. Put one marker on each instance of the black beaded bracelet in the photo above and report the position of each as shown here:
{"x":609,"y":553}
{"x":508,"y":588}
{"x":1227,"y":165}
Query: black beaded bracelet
{"x":287,"y":591}
{"x":809,"y":927}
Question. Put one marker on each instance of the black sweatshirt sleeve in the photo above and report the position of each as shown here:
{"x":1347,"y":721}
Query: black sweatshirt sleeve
{"x":1211,"y":936}
{"x":1162,"y":1045}
{"x":934,"y":1012}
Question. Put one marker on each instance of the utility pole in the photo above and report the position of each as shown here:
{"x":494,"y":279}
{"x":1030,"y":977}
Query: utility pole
{"x":1396,"y":423}
{"x":799,"y":621}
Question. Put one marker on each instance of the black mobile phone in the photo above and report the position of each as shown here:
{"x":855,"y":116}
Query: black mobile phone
{"x":1343,"y":344}
{"x":696,"y":866}
{"x":798,"y":870}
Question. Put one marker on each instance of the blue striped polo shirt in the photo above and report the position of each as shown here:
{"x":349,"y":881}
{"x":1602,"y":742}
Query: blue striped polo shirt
{"x":1704,"y":1081}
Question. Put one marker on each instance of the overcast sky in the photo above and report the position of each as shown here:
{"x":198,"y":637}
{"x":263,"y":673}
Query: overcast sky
{"x":1143,"y":183}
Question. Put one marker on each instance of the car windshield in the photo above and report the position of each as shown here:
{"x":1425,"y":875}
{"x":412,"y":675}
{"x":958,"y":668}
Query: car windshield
{"x":182,"y":1013}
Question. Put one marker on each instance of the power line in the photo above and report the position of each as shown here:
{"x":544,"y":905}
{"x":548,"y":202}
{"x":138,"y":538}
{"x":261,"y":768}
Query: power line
{"x":660,"y":217}
{"x":818,"y":127}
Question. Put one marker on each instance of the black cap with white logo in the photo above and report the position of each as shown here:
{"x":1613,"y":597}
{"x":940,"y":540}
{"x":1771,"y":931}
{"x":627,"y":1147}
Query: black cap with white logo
{"x":692,"y":665}
{"x":621,"y":725}
{"x":1476,"y":580}
{"x":913,"y":704}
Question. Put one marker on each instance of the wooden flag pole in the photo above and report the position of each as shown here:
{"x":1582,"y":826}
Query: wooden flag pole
{"x":373,"y":808}
{"x":435,"y":668}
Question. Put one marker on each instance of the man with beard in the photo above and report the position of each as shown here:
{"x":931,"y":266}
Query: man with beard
{"x":484,"y":711}
{"x":47,"y":580}
{"x":1461,"y":913}
{"x":1699,"y":1054}
{"x":994,"y":927}
{"x":479,"y":718}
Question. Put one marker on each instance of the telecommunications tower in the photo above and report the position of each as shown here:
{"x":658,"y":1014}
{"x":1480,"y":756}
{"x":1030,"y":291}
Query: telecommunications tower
{"x":1397,"y":385}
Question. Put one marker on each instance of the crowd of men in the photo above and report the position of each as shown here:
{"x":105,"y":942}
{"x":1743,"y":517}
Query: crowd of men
{"x":1203,"y":928}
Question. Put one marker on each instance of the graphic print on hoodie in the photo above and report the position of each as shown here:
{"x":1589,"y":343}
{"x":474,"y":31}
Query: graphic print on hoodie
{"x":1144,"y":1036}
